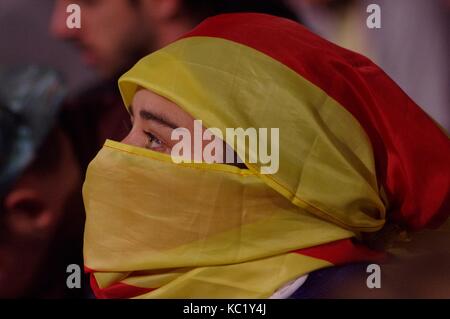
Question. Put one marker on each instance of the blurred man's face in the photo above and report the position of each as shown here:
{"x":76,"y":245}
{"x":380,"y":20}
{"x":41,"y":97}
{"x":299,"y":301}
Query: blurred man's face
{"x":113,"y":33}
{"x":32,"y":212}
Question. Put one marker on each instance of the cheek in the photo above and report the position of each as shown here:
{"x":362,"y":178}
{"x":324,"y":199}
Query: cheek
{"x":100,"y":24}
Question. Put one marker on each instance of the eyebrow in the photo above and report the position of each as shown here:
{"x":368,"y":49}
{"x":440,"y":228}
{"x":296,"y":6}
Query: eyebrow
{"x":149,"y":116}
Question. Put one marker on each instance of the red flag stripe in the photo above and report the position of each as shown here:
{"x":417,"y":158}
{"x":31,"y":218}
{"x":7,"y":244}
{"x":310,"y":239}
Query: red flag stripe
{"x":118,"y":290}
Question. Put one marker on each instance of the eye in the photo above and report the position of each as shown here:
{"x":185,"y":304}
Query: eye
{"x":153,"y":142}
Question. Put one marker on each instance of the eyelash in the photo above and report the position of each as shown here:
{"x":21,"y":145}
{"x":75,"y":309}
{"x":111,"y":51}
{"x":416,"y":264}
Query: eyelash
{"x":152,"y":138}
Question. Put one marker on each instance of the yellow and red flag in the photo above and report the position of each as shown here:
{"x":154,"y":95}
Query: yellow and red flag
{"x":355,"y":151}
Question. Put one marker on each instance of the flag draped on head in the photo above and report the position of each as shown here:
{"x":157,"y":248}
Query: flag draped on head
{"x":354,"y":150}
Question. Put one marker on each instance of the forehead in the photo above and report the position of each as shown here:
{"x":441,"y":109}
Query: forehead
{"x":158,"y":105}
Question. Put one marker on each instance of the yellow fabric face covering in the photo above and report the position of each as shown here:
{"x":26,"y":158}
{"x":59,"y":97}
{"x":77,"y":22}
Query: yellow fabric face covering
{"x":193,"y":230}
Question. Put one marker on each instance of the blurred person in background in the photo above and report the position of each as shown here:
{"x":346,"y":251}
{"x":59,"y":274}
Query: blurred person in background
{"x":40,"y":203}
{"x":24,"y":26}
{"x":114,"y":34}
{"x":411,"y":45}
